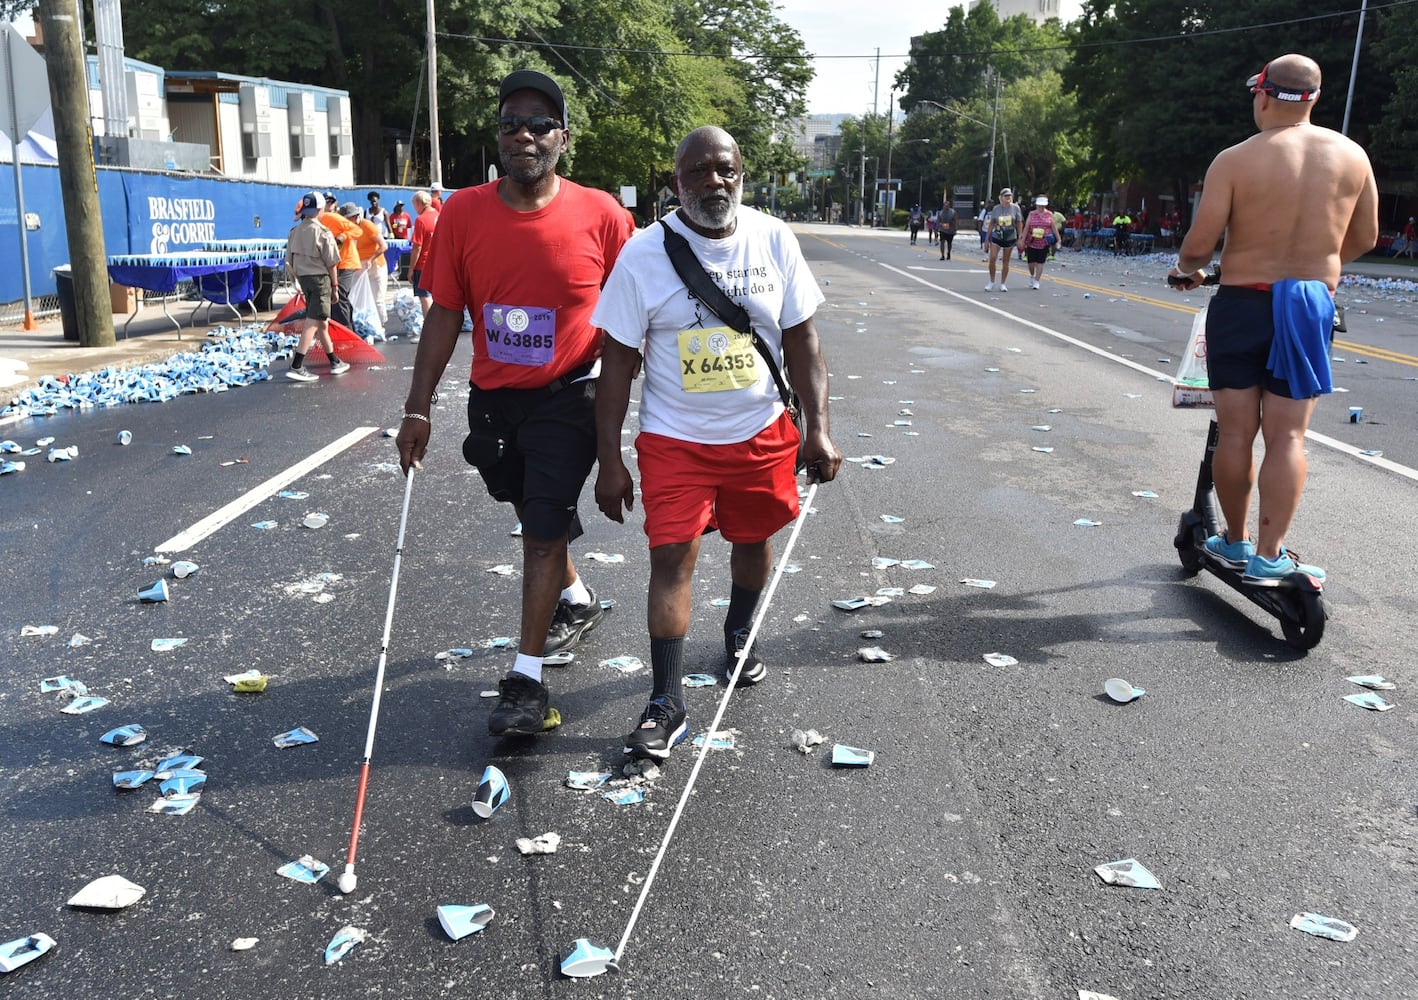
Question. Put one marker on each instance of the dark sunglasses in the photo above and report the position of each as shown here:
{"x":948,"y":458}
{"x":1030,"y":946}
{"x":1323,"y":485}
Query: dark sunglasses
{"x":536,"y":124}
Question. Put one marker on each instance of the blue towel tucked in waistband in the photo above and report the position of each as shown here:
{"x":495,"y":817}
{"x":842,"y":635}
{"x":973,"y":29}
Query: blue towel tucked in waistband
{"x":1304,"y":320}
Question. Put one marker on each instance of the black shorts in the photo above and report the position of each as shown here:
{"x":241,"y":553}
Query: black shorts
{"x":1037,"y":255}
{"x":534,"y":450}
{"x":1240,"y":325}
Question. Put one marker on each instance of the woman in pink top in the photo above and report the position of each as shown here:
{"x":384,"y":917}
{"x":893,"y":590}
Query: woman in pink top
{"x":1041,"y":233}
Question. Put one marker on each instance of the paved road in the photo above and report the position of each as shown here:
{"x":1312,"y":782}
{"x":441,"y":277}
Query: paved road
{"x":958,"y":865}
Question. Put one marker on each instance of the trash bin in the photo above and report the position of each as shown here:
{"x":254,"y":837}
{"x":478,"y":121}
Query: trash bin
{"x":68,"y":305}
{"x":267,"y":278}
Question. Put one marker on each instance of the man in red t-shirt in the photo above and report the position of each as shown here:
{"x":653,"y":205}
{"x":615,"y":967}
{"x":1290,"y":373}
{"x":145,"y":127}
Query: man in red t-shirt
{"x":527,"y":255}
{"x":400,"y":224}
{"x":424,"y":225}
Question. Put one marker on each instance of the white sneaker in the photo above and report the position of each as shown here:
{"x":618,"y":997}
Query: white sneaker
{"x":339,"y":368}
{"x":1034,"y":284}
{"x":1002,"y":288}
{"x":301,"y":375}
{"x":989,"y":286}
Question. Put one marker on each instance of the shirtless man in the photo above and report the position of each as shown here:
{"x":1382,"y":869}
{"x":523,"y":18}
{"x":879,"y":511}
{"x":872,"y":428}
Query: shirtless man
{"x":1296,"y":202}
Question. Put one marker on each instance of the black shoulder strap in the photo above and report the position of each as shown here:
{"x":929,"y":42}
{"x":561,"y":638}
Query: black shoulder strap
{"x":697,"y":280}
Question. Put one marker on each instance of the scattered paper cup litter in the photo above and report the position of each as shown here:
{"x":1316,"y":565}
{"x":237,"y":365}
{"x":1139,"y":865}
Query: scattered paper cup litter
{"x":1122,"y":691}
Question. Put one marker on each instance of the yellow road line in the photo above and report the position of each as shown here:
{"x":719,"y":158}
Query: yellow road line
{"x":1377,"y":352}
{"x":1130,"y":296}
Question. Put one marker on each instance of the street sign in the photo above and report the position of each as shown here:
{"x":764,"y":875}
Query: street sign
{"x":816,"y":174}
{"x":28,"y":100}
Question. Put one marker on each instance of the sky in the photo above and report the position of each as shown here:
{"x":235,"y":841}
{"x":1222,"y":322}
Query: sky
{"x":856,"y":28}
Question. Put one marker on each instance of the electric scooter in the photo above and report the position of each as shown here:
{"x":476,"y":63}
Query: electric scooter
{"x":1298,"y":602}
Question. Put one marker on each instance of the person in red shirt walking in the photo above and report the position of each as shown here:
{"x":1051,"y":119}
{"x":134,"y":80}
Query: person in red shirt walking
{"x":527,"y":254}
{"x":424,"y":225}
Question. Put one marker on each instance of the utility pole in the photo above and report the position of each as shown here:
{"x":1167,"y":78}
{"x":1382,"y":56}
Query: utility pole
{"x":890,"y":120}
{"x":78,"y":180}
{"x":435,"y":159}
{"x":1354,"y":68}
{"x":994,"y":124}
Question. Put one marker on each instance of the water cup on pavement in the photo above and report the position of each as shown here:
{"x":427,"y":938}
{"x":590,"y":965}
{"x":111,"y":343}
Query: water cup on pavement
{"x":492,"y":792}
{"x":1356,"y":414}
{"x":586,"y":959}
{"x":460,"y":921}
{"x":1122,"y":691}
{"x":125,"y":437}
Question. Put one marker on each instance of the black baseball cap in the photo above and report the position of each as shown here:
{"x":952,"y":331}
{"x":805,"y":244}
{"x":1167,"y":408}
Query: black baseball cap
{"x":530,"y":79}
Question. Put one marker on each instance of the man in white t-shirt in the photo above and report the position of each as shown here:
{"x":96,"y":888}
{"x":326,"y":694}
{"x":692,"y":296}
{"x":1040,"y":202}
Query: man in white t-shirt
{"x":716,"y":447}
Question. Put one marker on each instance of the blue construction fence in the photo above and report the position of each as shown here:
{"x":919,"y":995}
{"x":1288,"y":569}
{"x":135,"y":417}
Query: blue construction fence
{"x":146,"y":212}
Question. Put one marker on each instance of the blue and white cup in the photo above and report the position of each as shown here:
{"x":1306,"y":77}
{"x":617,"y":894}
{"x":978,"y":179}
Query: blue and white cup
{"x":460,"y":921}
{"x":586,"y":959}
{"x":1356,"y":414}
{"x":492,"y":792}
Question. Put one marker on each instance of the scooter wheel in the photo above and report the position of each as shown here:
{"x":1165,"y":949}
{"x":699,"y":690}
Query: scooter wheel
{"x":1188,"y":542}
{"x":1306,"y":628}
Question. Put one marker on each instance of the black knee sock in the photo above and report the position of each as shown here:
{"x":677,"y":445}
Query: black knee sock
{"x":334,"y":358}
{"x":666,"y":662}
{"x":297,"y":360}
{"x":742,"y":603}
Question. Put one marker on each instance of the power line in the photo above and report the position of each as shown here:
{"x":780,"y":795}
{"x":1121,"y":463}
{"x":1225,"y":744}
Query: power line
{"x":1072,"y":46}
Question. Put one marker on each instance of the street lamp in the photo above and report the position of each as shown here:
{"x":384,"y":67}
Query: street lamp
{"x":992,"y":125}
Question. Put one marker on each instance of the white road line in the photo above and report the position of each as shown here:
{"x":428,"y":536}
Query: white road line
{"x":223,"y":516}
{"x":1321,"y":439}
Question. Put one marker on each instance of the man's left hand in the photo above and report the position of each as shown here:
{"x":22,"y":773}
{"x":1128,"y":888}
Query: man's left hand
{"x":822,"y":458}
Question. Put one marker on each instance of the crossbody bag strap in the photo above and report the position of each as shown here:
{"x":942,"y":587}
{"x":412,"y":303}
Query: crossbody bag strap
{"x":697,"y":280}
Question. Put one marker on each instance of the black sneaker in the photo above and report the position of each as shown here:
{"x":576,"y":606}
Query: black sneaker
{"x":521,"y":706}
{"x":753,"y":669}
{"x":663,"y":725}
{"x":570,"y":623}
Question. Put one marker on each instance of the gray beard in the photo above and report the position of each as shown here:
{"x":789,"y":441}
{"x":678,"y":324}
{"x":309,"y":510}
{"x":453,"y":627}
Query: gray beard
{"x":719,"y":216}
{"x":542,"y":166}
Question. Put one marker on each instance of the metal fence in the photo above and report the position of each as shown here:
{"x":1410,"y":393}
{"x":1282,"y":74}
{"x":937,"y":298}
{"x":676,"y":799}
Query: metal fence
{"x":44,"y":306}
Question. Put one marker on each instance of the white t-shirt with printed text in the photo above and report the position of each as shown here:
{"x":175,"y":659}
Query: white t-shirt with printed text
{"x":704,"y":382}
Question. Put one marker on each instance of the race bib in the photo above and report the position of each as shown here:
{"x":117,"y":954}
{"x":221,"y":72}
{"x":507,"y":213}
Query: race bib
{"x":1038,"y":233}
{"x":717,"y":359}
{"x":520,"y":335}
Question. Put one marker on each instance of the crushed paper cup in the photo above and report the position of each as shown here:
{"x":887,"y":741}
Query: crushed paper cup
{"x":306,"y":869}
{"x":1326,"y":927}
{"x":722,"y":740}
{"x":178,"y":762}
{"x":1122,"y":691}
{"x":345,"y":939}
{"x":166,"y":645}
{"x":460,"y":921}
{"x":625,"y":796}
{"x":182,"y":782}
{"x":1374,"y":682}
{"x":111,"y":892}
{"x":80,"y":706}
{"x":294,"y":738}
{"x":560,"y":659}
{"x":1371,"y":700}
{"x":1129,"y":872}
{"x":586,"y":959}
{"x":176,"y":805}
{"x":698,"y":680}
{"x":1002,"y":660}
{"x":980,"y":584}
{"x":124,"y":736}
{"x":293,"y":495}
{"x":874,"y":654}
{"x":845,"y":756}
{"x":316,"y":520}
{"x":22,"y":951}
{"x":129,"y":780}
{"x":625,"y":664}
{"x":181,"y":449}
{"x":7,"y":468}
{"x":244,"y":944}
{"x":38,"y":630}
{"x":64,"y":454}
{"x":587,"y":781}
{"x":61,"y":683}
{"x":182,"y":569}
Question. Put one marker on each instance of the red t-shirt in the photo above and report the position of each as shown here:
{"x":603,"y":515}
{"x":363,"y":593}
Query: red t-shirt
{"x":399,"y":225}
{"x":535,"y":275}
{"x":424,"y":226}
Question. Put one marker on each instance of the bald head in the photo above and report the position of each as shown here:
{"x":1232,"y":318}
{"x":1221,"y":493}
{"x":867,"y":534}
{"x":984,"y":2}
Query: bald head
{"x":1294,"y":72}
{"x":706,"y":137}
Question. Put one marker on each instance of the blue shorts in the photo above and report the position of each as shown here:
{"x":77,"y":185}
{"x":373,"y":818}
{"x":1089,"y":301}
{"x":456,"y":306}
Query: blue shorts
{"x":1240,"y":326}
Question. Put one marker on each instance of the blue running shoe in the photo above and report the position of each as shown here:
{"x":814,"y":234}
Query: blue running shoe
{"x":1232,"y":555}
{"x":1263,"y":572}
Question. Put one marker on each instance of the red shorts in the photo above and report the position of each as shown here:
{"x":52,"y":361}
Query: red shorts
{"x":746,"y":490}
